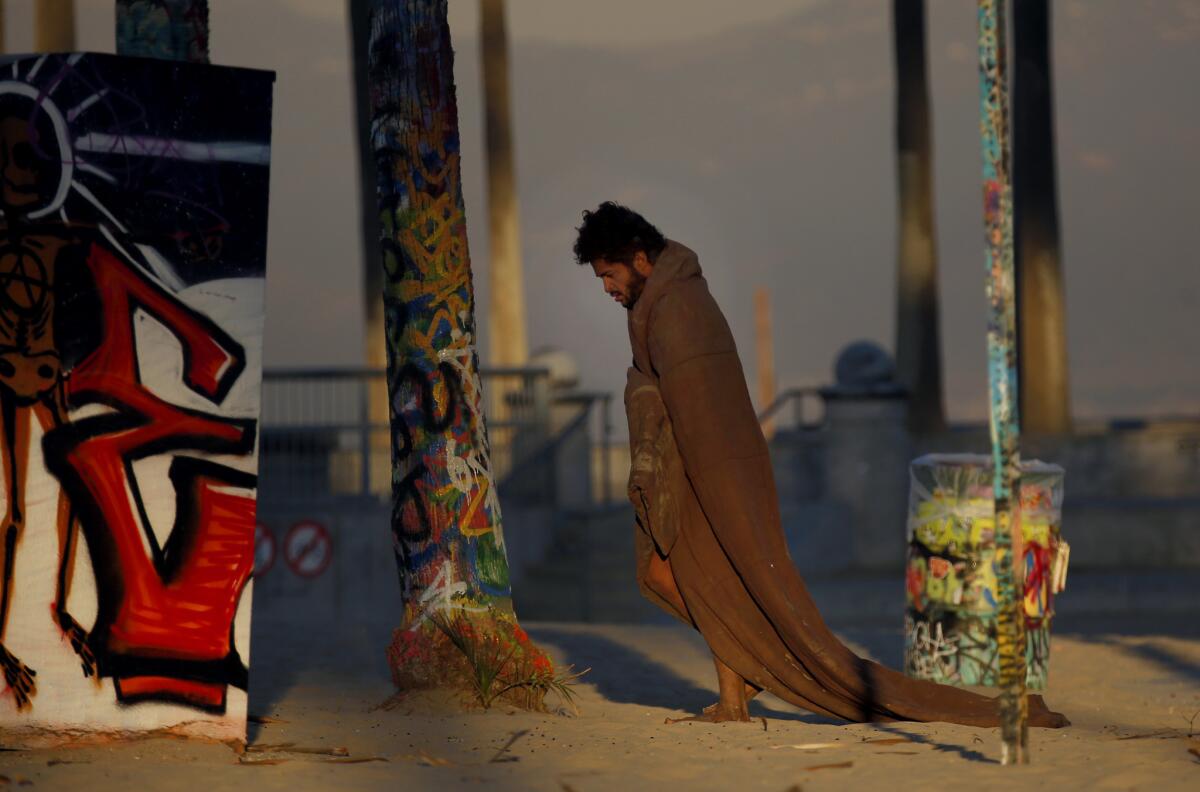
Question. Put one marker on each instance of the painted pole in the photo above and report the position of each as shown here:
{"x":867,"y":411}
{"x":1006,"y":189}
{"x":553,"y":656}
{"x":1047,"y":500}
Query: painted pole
{"x":167,"y":29}
{"x":1002,"y":377}
{"x":446,"y":526}
{"x":54,"y":26}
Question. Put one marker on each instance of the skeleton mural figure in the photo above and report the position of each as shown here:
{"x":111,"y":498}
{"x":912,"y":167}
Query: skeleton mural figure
{"x":31,"y":253}
{"x":115,"y":256}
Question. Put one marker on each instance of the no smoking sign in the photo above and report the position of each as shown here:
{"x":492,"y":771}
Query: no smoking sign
{"x":308,"y":549}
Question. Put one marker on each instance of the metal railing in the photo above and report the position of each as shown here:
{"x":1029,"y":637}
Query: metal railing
{"x":795,"y":397}
{"x":563,"y":469}
{"x":325,"y":433}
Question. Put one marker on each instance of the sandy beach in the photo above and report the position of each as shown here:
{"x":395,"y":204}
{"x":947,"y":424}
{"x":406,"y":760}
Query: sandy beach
{"x":1131,"y":688}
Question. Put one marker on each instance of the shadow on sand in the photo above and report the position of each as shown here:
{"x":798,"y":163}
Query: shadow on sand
{"x":626,"y":676}
{"x":282,"y":651}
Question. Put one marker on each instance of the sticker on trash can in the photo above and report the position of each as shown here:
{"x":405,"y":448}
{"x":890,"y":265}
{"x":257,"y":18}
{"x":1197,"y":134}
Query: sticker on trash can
{"x":264,"y":549}
{"x":308,"y":549}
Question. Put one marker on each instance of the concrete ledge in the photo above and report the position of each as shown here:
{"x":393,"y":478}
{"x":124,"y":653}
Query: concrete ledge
{"x":880,"y":600}
{"x":1133,"y":532}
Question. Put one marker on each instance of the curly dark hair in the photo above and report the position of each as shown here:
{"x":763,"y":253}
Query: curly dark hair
{"x":616,"y":233}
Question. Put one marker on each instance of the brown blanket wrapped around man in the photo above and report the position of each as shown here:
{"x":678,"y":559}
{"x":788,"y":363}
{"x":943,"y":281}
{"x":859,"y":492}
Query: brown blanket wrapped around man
{"x":704,"y":492}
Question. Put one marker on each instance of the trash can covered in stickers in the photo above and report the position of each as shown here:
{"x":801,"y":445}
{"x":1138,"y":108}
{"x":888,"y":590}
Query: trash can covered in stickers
{"x":950,"y":619}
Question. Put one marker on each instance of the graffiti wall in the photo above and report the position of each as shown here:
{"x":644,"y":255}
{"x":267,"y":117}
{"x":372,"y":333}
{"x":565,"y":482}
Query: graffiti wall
{"x":950,"y":622}
{"x":133,"y":201}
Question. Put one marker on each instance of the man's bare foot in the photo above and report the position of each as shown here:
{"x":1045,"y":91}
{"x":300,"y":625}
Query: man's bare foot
{"x":78,"y":637}
{"x":751,"y":692}
{"x":19,"y":678}
{"x":732,"y":706}
{"x":714,"y":713}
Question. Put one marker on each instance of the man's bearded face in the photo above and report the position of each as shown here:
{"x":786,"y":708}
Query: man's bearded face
{"x":621,"y":281}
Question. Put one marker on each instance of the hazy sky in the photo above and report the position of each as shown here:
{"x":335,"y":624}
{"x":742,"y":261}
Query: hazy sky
{"x":760,"y":134}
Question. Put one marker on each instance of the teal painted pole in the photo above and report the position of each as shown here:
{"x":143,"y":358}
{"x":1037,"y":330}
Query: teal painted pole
{"x":167,"y":29}
{"x":1002,"y":376}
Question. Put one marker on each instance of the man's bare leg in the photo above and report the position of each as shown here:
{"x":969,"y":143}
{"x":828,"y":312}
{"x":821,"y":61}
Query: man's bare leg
{"x":661,"y":579}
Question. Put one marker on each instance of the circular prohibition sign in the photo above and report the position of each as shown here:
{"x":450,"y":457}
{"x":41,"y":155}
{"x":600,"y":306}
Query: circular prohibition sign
{"x":264,"y":549}
{"x":308,"y":549}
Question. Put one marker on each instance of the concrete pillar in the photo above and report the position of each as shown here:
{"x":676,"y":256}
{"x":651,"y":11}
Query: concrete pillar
{"x":507,"y":338}
{"x":918,"y":344}
{"x":54,"y":25}
{"x":765,"y":348}
{"x":867,"y":452}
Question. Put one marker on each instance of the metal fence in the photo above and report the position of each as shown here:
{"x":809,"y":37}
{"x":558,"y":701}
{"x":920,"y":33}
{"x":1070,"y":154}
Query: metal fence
{"x":325,"y":433}
{"x":774,"y":414}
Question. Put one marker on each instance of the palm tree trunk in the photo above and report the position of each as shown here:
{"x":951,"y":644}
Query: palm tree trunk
{"x":1041,"y":314}
{"x":372,"y":261}
{"x":506,"y":306}
{"x":446,"y":515}
{"x":446,"y":526}
{"x":918,"y":344}
{"x":765,"y":348}
{"x":54,"y":26}
{"x":168,"y":29}
{"x":1002,"y":377}
{"x":368,"y":177}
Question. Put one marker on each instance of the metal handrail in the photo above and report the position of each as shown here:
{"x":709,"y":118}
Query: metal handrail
{"x":333,"y":402}
{"x":796,"y":395}
{"x":545,"y":452}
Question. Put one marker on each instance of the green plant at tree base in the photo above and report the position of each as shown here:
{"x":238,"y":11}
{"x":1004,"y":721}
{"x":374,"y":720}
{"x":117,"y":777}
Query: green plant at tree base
{"x":486,"y":653}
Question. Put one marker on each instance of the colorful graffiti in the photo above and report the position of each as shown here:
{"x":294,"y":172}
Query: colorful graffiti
{"x":168,"y":29}
{"x":1002,"y":372}
{"x":952,"y":577}
{"x":446,"y":519}
{"x":132,"y":253}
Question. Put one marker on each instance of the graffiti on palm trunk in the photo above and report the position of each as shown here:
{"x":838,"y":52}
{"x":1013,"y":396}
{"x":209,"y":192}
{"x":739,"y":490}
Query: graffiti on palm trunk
{"x":446,"y":514}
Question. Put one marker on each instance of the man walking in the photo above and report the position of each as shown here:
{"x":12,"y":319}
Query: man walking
{"x":710,"y":544}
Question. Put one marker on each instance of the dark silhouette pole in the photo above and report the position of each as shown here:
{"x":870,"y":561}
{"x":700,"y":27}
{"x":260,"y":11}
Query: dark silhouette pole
{"x":918,"y":342}
{"x":1041,"y":309}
